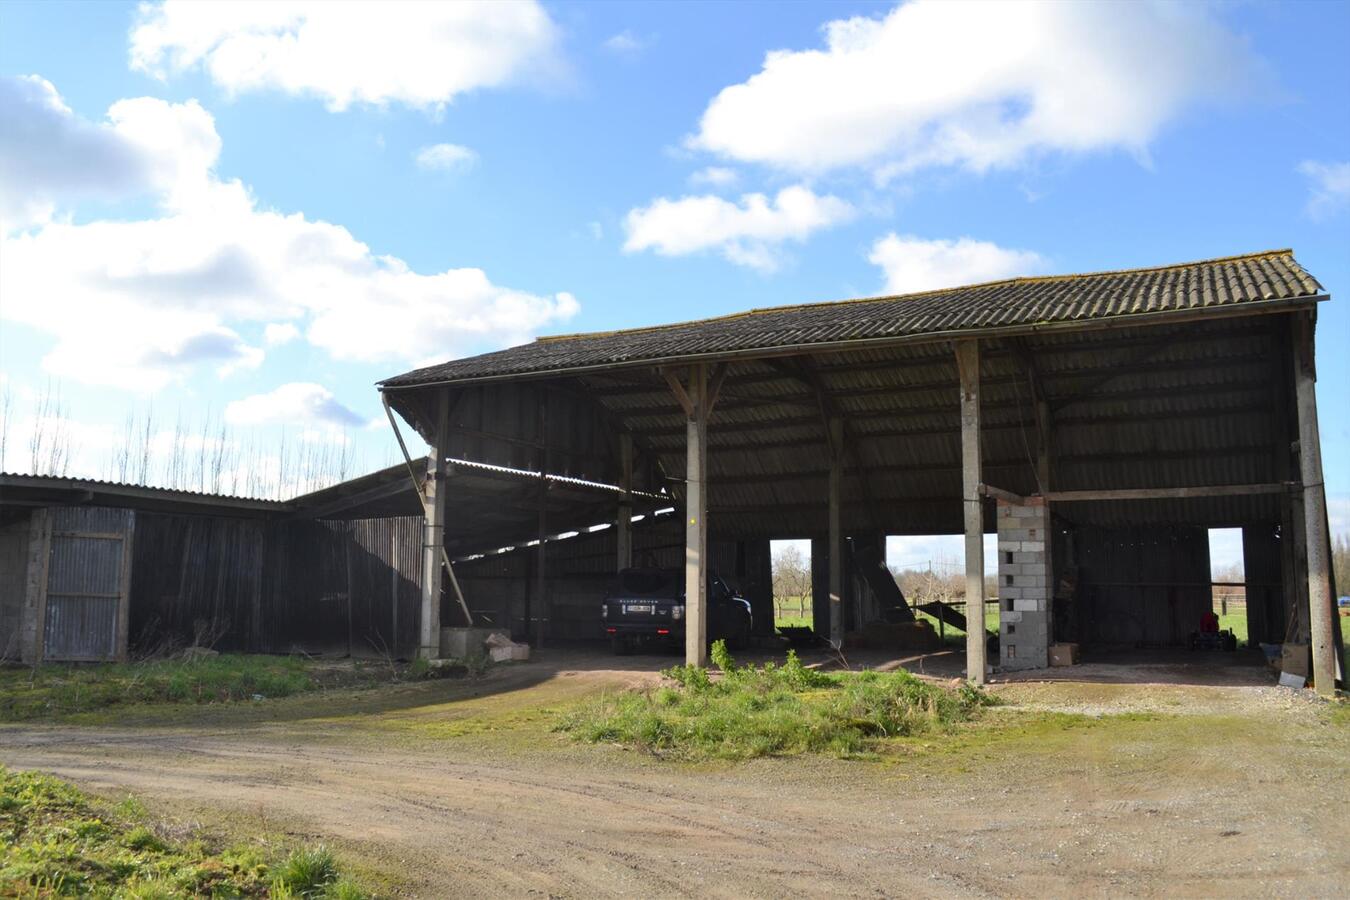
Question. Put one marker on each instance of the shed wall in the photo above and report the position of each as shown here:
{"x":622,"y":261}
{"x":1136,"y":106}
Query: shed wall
{"x":13,"y":575}
{"x":277,"y":587}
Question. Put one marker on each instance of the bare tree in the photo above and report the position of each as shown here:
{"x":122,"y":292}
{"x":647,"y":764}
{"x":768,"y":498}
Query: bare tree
{"x":6,"y":405}
{"x":49,"y":448}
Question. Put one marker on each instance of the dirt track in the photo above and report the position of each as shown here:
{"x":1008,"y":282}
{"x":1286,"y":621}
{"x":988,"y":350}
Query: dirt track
{"x":464,"y":791}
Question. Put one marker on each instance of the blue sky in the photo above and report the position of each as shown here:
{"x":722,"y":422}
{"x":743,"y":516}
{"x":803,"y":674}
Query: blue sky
{"x":241,"y":216}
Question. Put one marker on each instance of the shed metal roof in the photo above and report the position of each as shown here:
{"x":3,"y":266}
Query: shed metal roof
{"x":1014,"y":305}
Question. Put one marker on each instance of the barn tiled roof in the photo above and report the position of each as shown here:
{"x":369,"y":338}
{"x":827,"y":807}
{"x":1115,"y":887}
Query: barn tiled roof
{"x":1016,"y":304}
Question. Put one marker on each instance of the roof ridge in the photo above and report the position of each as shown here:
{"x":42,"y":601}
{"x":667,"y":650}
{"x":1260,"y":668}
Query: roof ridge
{"x":877,"y":298}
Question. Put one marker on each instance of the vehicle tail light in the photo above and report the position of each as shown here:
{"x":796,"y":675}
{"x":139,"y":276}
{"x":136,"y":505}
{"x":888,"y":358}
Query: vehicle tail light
{"x":677,"y":611}
{"x":604,"y":610}
{"x":663,"y":631}
{"x":612,"y":630}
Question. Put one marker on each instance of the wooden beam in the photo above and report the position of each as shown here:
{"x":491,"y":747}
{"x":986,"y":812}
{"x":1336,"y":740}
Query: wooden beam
{"x":696,"y":521}
{"x":1321,"y":616}
{"x":623,"y":524}
{"x":1176,"y":493}
{"x":989,"y":490}
{"x":719,"y":375}
{"x":836,"y":432}
{"x":540,"y":567}
{"x":968,"y":363}
{"x":681,"y":395}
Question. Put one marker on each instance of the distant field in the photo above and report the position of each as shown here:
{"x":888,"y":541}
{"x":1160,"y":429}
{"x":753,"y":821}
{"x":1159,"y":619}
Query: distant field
{"x":1235,"y":619}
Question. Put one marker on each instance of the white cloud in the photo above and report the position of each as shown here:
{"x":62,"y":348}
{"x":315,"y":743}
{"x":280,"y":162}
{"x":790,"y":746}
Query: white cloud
{"x":625,"y":43}
{"x":50,"y":158}
{"x":277,"y":333}
{"x":979,"y":85}
{"x":141,"y":303}
{"x":298,"y":403}
{"x":714,"y":176}
{"x":746,"y":233}
{"x":420,"y":54}
{"x":912,"y":264}
{"x":1330,"y":187}
{"x":445,"y":158}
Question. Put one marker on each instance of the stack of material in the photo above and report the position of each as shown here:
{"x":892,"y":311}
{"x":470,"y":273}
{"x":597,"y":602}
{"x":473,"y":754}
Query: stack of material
{"x":502,"y":649}
{"x":1063,"y":654}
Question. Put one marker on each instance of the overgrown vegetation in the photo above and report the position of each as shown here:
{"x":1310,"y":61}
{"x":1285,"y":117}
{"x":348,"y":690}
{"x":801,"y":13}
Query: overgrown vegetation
{"x":771,"y":710}
{"x":57,"y":842}
{"x":54,"y":690}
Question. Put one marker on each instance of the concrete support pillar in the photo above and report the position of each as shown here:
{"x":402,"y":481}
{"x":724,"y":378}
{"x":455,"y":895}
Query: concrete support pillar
{"x":836,"y":536}
{"x":696,"y":520}
{"x":1025,"y":583}
{"x":968,"y":364}
{"x":1321,"y":618}
{"x":433,"y":535}
{"x":623,"y":523}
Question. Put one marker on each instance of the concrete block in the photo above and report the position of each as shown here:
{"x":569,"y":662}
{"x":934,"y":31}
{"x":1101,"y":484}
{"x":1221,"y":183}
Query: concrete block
{"x":1009,"y":546}
{"x":460,"y":643}
{"x":1009,"y":593}
{"x":1012,"y":617}
{"x":1027,"y":556}
{"x":1033,"y":546}
{"x":1025,"y":604}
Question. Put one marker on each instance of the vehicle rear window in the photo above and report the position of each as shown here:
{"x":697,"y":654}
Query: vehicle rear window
{"x":649,"y":582}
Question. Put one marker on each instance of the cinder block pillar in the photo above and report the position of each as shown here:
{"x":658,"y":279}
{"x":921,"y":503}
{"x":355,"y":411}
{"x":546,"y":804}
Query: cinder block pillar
{"x":1025,"y":583}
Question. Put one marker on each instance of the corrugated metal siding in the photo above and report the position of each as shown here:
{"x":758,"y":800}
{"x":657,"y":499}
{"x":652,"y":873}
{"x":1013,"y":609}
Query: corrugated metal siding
{"x":84,"y":582}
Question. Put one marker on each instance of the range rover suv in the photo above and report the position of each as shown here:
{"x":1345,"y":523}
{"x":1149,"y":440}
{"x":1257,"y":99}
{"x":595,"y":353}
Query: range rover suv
{"x":646,"y":606}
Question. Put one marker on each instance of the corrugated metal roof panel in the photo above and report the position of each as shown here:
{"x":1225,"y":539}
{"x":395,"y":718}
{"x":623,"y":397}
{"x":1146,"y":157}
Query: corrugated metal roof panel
{"x":1026,"y":302}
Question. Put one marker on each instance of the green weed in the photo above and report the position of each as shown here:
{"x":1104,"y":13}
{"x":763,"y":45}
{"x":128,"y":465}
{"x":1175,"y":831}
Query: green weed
{"x":772,"y":710}
{"x":56,"y":842}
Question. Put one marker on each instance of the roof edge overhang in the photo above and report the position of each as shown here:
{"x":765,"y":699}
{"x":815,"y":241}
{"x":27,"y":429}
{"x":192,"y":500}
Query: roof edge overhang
{"x":1164,"y":317}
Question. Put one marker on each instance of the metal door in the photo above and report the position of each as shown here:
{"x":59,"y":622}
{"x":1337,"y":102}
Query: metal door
{"x":87,"y":578}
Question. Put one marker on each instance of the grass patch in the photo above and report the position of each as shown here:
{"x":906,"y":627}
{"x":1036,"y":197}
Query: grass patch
{"x":770,"y":710}
{"x":56,"y":690}
{"x":57,"y":842}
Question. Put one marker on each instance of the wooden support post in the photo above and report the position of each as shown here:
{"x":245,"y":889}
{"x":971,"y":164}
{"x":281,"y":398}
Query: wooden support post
{"x":696,"y":520}
{"x":540,"y":573}
{"x":540,"y":568}
{"x":1320,"y":615}
{"x":433,"y":534}
{"x":836,"y":427}
{"x":968,"y":363}
{"x":623,"y":525}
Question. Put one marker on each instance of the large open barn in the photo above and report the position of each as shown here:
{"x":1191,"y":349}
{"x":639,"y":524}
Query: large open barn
{"x":1098,"y":423}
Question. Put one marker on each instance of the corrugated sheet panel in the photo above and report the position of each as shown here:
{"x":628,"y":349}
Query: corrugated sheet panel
{"x":84,"y":582}
{"x":1209,"y":284}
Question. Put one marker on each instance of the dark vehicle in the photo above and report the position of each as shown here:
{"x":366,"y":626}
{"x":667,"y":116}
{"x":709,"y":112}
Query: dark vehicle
{"x":647,"y":606}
